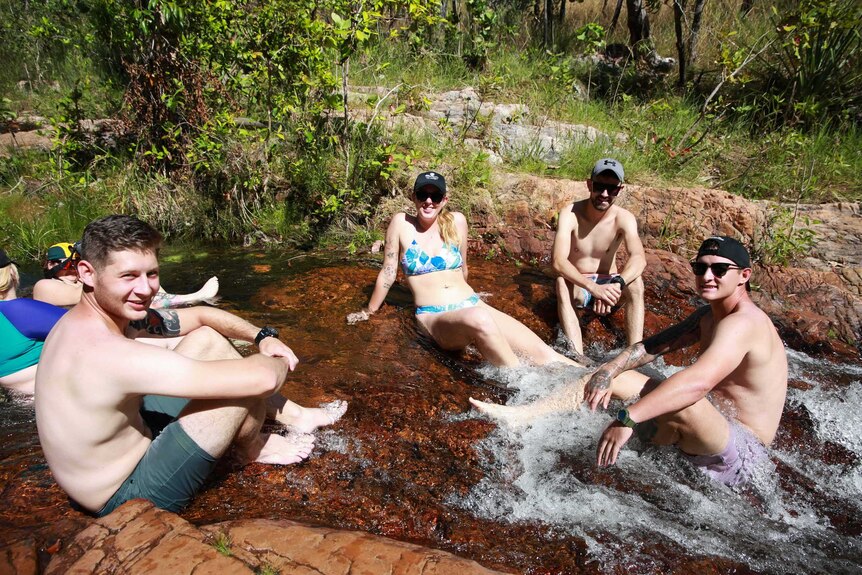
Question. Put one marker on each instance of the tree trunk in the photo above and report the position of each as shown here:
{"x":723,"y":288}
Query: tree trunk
{"x":562,"y":14}
{"x":638,"y":22}
{"x":616,"y":17}
{"x":696,"y":21}
{"x":549,"y":23}
{"x":678,"y":16}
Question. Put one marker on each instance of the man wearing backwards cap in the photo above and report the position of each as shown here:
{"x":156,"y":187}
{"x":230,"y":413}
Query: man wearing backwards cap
{"x":589,"y":234}
{"x":742,"y":364}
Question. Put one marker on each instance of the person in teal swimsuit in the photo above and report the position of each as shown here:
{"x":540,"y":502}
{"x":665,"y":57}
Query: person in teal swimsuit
{"x":24,"y":325}
{"x":432,"y":249}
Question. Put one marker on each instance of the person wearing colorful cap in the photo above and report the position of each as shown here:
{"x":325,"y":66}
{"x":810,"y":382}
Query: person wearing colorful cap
{"x":720,"y":412}
{"x":589,"y":235}
{"x":24,"y":325}
{"x":61,"y":265}
{"x":119,"y":419}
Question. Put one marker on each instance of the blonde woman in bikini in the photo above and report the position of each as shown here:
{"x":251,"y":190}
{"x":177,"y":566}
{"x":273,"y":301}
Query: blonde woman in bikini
{"x":432,"y":249}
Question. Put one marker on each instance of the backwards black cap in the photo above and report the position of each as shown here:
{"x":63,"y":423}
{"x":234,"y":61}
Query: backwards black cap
{"x":5,"y":260}
{"x":725,"y":247}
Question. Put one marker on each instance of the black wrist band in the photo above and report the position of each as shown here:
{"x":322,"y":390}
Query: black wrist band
{"x":619,"y":280}
{"x":266,"y":331}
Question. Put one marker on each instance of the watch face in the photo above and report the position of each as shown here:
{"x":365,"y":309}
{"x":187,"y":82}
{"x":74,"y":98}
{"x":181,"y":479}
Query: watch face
{"x":621,"y":416}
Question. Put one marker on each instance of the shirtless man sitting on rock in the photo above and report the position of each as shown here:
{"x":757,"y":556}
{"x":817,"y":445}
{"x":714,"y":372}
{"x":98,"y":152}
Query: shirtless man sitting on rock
{"x":589,"y":234}
{"x":119,"y":419}
{"x":742,"y":365}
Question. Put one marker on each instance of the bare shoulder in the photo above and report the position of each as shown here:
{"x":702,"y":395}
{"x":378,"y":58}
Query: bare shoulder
{"x":569,"y":208}
{"x":567,"y":217}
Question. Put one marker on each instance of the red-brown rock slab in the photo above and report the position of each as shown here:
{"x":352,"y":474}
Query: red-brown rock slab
{"x":290,"y":547}
{"x":19,"y":558}
{"x":139,"y":538}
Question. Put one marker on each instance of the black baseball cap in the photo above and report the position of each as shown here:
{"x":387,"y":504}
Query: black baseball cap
{"x":432,"y":179}
{"x":5,"y":260}
{"x":725,"y":247}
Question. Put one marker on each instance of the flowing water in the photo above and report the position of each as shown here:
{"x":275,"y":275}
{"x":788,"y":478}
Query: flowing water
{"x":411,"y":461}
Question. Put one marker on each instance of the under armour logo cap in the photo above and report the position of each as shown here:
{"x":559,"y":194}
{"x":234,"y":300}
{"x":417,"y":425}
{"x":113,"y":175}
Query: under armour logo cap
{"x":432,"y":179}
{"x":609,"y":165}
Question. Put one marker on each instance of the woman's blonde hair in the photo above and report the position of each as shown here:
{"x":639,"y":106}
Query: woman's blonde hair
{"x":9,"y":278}
{"x":447,"y":228}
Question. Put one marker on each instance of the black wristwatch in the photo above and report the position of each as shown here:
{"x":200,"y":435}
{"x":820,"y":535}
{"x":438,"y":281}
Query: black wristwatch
{"x":619,"y":280}
{"x":266,"y":331}
{"x":623,"y":417}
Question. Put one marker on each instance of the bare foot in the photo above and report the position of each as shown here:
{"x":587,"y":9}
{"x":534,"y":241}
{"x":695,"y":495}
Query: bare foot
{"x":285,"y":450}
{"x":511,"y":416}
{"x":209,"y":291}
{"x":307,"y":419}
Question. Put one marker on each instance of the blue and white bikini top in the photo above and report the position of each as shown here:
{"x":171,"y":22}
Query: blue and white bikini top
{"x":417,"y":262}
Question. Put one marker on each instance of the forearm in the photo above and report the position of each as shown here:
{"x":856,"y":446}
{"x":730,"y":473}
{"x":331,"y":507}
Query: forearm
{"x":672,"y":395}
{"x":385,"y":280}
{"x":634,"y":267}
{"x":565,"y":269}
{"x":227,"y":324}
{"x":632,"y":357}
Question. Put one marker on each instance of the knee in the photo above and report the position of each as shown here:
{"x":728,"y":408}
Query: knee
{"x":210,"y":343}
{"x":564,"y":292}
{"x":481,"y":324}
{"x":635,"y":290}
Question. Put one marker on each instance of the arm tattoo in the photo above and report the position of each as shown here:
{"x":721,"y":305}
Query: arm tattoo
{"x":631,"y":357}
{"x":677,"y":336}
{"x":165,"y":323}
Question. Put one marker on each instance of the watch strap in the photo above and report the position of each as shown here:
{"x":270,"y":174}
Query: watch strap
{"x":623,"y":417}
{"x":266,"y":331}
{"x":619,"y":280}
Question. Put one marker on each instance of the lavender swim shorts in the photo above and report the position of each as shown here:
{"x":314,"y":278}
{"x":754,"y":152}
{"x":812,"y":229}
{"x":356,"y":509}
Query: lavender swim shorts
{"x":736,"y":464}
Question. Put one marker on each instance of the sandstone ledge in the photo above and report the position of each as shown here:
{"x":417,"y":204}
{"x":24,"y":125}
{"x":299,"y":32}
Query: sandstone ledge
{"x":139,"y":538}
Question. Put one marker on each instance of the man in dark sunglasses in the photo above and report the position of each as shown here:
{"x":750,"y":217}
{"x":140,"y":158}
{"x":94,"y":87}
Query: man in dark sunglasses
{"x":742,"y":368}
{"x":589,"y":235}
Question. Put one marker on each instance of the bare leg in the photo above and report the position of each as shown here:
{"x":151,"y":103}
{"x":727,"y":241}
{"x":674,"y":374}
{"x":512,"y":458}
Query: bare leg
{"x":22,"y":381}
{"x":304,"y":419}
{"x":207,"y":293}
{"x":699,"y":429}
{"x":566,"y":294}
{"x":525,"y":342}
{"x":568,"y":398}
{"x":215,"y":424}
{"x":634,"y":297}
{"x":457,"y":329}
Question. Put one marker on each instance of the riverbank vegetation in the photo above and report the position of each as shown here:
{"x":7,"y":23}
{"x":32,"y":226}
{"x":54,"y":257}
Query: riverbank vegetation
{"x":245,"y":121}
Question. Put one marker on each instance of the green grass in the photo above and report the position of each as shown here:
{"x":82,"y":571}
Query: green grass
{"x":667,"y":143}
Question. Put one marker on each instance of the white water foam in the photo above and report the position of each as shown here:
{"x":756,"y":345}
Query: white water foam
{"x":544,"y":474}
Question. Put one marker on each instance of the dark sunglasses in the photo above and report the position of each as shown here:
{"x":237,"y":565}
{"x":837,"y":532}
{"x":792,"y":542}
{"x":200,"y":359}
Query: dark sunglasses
{"x":613,"y":190}
{"x":718,"y":270}
{"x":436,"y":196}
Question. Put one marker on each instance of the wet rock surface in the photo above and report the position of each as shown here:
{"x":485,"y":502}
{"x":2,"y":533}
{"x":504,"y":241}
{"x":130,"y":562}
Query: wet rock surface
{"x":394,"y":466}
{"x":407,"y":451}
